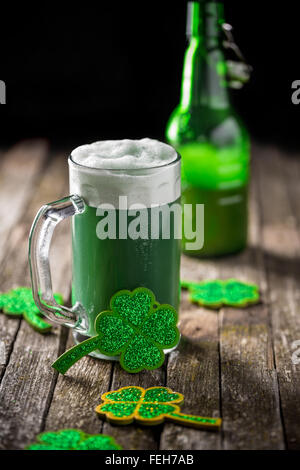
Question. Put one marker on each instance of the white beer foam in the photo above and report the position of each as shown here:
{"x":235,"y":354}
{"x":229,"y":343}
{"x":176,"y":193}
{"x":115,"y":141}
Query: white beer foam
{"x":124,"y":154}
{"x":146,"y":171}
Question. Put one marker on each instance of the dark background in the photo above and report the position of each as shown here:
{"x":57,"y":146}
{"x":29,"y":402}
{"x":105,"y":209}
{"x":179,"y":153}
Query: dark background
{"x":113,"y":69}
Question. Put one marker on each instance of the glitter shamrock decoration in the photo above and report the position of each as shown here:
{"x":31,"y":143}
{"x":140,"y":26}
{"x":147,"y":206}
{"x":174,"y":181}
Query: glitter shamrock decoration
{"x":215,"y":294}
{"x":73,"y":439}
{"x":19,"y":302}
{"x":149,"y":406}
{"x":137,"y":328}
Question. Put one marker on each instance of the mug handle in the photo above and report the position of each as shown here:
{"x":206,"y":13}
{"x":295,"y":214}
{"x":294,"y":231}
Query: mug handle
{"x":40,"y":238}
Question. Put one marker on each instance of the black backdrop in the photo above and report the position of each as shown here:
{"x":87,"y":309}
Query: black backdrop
{"x":113,"y":69}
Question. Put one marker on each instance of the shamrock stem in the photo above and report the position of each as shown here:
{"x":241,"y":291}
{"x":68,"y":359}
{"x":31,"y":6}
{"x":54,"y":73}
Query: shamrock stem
{"x":66,"y":360}
{"x":213,"y":424}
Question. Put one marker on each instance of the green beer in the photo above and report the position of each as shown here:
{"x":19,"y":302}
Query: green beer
{"x":101,"y":267}
{"x":210,"y":137}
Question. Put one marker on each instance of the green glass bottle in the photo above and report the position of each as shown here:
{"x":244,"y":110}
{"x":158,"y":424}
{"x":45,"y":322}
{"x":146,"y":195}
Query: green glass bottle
{"x":210,"y":137}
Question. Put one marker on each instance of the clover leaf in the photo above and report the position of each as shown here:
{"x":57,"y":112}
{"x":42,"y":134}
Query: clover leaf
{"x":216,"y":293}
{"x":19,"y":302}
{"x":73,"y":439}
{"x":135,"y":403}
{"x":149,"y":406}
{"x":136,"y":328}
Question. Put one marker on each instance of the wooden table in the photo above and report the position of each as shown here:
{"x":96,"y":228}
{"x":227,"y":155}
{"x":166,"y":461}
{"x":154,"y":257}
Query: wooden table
{"x":235,"y":363}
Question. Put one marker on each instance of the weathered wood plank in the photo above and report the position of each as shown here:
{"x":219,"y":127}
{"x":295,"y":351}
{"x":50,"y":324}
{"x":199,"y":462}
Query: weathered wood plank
{"x":278,"y":178}
{"x":193,"y":369}
{"x":27,"y":385}
{"x":244,"y":334}
{"x":20,"y":168}
{"x":77,"y":394}
{"x":250,"y":396}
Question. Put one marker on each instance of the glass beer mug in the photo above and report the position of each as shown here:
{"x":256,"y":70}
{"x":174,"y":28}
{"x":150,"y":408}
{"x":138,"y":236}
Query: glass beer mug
{"x":120,"y":192}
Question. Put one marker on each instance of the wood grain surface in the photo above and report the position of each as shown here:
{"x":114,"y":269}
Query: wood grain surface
{"x":239,"y":364}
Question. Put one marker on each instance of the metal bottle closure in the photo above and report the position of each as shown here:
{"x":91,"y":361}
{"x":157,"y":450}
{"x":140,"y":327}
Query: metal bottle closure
{"x":238,"y":70}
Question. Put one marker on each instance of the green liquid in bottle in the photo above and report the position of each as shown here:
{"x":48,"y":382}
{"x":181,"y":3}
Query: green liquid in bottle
{"x":217,"y":178}
{"x":211,"y":139}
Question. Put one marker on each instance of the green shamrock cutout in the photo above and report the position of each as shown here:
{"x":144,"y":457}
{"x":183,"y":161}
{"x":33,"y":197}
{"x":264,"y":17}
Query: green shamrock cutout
{"x":136,"y":327}
{"x":19,"y":302}
{"x":149,"y":406}
{"x":215,"y":294}
{"x":73,"y":439}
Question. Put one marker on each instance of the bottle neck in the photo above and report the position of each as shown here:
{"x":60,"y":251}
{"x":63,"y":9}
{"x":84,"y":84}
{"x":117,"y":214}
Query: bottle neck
{"x":204,"y":73}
